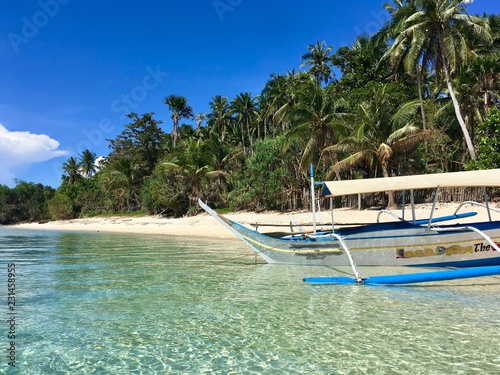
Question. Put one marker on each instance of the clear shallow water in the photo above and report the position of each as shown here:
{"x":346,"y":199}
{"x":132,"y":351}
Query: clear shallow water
{"x":108,"y":304}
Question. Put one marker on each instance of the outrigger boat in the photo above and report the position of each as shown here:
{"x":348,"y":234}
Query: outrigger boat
{"x":399,"y":243}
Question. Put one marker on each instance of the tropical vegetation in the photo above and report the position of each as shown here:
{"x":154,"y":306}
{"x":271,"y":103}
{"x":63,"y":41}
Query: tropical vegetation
{"x":421,"y":95}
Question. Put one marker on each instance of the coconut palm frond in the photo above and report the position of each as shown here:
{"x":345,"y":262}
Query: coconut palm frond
{"x":402,"y":132}
{"x":384,"y":153}
{"x":406,"y":113}
{"x":217,"y":174}
{"x":412,"y":140}
{"x":346,"y":164}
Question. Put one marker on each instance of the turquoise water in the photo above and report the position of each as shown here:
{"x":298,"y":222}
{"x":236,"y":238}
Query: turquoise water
{"x":117,"y":304}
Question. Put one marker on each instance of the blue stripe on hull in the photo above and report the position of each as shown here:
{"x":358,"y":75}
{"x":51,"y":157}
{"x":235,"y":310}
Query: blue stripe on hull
{"x":495,"y":261}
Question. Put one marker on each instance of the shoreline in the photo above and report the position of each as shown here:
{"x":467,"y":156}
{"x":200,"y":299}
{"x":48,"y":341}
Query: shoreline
{"x":203,"y":225}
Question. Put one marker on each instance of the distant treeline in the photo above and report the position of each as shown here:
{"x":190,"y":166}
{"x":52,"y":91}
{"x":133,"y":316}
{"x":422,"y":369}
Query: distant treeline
{"x":25,"y":202}
{"x":420,"y":96}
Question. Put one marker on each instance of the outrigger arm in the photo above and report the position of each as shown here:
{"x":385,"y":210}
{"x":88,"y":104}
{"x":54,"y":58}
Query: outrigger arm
{"x":349,"y":256}
{"x":468,"y":227}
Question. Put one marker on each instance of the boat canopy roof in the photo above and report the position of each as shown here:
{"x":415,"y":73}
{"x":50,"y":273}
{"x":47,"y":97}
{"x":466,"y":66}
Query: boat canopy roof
{"x":483,"y":178}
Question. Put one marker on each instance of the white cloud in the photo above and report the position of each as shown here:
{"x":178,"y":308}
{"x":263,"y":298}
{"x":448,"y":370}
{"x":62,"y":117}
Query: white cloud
{"x":23,"y":149}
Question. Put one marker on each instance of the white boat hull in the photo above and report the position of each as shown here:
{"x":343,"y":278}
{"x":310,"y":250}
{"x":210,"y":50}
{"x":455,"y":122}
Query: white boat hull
{"x":389,"y":244}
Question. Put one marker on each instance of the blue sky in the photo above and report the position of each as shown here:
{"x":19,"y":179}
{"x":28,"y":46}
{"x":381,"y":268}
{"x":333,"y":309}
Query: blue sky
{"x":70,"y":70}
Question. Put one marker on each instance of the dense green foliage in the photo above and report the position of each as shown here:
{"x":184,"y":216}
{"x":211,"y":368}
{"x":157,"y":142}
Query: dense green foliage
{"x":488,"y":145}
{"x":420,"y":96}
{"x":25,"y":202}
{"x":267,"y":181}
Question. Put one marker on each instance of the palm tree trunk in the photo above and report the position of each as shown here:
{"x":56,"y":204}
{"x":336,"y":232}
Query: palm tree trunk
{"x":390,"y":194}
{"x":421,"y":98}
{"x":460,"y":119}
{"x":249,"y":131}
{"x":486,"y":102}
{"x":175,"y":134}
{"x":456,"y":105}
{"x":242,"y":127}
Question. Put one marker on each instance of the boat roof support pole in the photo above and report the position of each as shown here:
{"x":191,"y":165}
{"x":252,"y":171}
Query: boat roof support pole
{"x":313,"y":198}
{"x":403,"y":204}
{"x":319,"y":210}
{"x":331,"y":212}
{"x":433,"y":208}
{"x":412,"y":202}
{"x":486,"y":202}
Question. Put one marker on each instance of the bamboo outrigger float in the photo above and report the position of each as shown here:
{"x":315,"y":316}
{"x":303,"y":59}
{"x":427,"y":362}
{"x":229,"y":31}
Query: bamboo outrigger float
{"x":400,"y":243}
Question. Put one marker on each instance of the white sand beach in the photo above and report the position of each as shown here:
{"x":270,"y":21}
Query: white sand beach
{"x":203,"y":225}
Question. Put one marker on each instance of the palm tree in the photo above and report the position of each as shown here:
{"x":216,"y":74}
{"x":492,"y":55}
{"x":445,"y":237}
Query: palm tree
{"x":88,"y":163}
{"x":280,"y":93}
{"x":432,"y":33}
{"x":494,"y":22}
{"x":180,"y":109}
{"x":72,"y":168}
{"x":376,"y":137}
{"x":244,"y":109}
{"x":486,"y":70}
{"x":193,"y":166}
{"x":316,"y":118}
{"x":280,"y":96}
{"x":219,"y":117}
{"x":319,"y":59}
{"x":123,"y":177}
{"x":200,"y":117}
{"x":221,"y":153}
{"x":399,"y":51}
{"x":479,"y":87}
